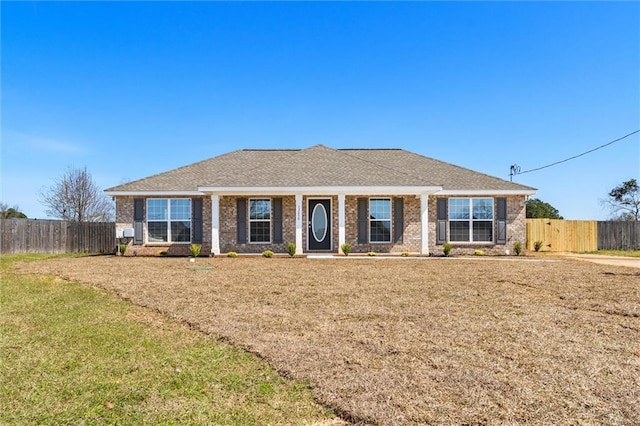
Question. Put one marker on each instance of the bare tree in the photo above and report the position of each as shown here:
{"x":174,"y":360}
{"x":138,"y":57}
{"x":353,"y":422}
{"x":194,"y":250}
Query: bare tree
{"x":75,"y":197}
{"x":624,"y":200}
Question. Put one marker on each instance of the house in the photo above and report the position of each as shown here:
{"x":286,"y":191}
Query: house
{"x":382,"y":200}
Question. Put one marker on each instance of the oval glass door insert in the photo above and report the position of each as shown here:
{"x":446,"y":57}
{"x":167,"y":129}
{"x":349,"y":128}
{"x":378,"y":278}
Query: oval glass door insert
{"x":319,"y":222}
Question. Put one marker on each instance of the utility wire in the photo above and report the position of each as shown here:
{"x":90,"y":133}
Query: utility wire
{"x":515,"y":169}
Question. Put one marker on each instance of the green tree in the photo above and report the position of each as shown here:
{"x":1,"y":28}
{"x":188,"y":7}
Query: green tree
{"x":538,"y":209}
{"x":624,"y":201}
{"x":14,"y":212}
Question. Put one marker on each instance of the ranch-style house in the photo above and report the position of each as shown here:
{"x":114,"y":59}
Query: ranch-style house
{"x":382,"y":200}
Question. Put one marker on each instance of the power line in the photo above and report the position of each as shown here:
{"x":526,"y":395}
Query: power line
{"x":515,"y":169}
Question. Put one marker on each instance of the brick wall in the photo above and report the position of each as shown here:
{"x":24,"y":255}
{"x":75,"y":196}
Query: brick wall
{"x":516,"y":229}
{"x":229,"y":227}
{"x":411,"y":232}
{"x":124,"y":219}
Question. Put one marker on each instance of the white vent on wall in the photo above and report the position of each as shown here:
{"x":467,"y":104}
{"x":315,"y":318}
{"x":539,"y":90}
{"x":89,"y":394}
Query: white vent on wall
{"x":128,"y":232}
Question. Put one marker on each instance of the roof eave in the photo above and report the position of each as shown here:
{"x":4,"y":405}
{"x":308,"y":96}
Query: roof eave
{"x":487,"y":192}
{"x":321,"y":190}
{"x":152,"y":193}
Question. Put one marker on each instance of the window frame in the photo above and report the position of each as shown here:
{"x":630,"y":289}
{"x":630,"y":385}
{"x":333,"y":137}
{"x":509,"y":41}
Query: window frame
{"x":471,"y":220}
{"x":259,"y":220}
{"x":389,"y":220}
{"x":168,"y":220}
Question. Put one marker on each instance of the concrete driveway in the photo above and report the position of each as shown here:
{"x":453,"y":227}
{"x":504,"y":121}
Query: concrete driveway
{"x":631,"y":262}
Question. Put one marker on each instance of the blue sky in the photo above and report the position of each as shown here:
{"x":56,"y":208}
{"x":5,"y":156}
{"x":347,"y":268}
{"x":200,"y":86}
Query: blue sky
{"x":133,"y":89}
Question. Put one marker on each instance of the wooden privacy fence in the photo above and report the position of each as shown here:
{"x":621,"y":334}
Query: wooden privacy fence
{"x":623,"y":235}
{"x":55,"y":236}
{"x":582,"y":235}
{"x":563,"y":235}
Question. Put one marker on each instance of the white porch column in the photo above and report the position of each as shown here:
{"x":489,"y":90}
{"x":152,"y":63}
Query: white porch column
{"x":299,"y":249}
{"x":215,"y":224}
{"x":341,"y":222}
{"x":424,"y":220}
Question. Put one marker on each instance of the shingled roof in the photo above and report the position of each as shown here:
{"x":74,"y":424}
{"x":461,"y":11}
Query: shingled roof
{"x":319,"y":166}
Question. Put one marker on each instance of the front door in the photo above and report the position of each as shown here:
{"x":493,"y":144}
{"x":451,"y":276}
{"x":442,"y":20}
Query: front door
{"x":319,"y":231}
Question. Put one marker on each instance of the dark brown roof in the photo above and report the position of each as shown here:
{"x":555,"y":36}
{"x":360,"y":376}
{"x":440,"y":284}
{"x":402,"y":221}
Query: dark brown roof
{"x":319,"y":166}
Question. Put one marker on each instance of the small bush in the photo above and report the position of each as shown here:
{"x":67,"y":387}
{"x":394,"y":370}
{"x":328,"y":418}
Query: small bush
{"x":122,"y":248}
{"x":195,"y":250}
{"x":478,"y":253}
{"x":164,"y":253}
{"x":346,"y":248}
{"x":232,"y":254}
{"x":405,"y":253}
{"x":267,"y":253}
{"x":446,"y":248}
{"x":537,"y":246}
{"x":372,"y":253}
{"x":517,"y":248}
{"x":291,"y":249}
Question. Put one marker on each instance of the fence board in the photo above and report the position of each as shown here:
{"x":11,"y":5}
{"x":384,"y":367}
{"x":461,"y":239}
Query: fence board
{"x":562,"y":235}
{"x":619,"y":235}
{"x":55,"y":236}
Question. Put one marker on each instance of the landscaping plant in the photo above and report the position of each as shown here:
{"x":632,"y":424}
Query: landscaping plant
{"x":537,"y":245}
{"x":517,"y":248}
{"x":195,"y":250}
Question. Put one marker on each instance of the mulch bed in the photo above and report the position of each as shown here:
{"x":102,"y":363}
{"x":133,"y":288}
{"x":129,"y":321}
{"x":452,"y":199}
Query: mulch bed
{"x":412,"y":341}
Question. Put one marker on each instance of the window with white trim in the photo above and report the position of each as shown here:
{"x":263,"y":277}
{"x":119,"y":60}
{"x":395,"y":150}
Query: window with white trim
{"x":259,"y":220}
{"x":380,"y":220}
{"x":168,"y":220}
{"x":471,"y":219}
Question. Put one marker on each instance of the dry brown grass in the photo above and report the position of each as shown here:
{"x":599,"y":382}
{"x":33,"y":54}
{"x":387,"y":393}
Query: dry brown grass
{"x":408,"y":341}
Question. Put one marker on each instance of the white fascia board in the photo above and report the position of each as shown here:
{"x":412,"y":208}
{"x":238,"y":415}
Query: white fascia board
{"x":321,"y":190}
{"x":153,"y":193}
{"x":486,"y":192}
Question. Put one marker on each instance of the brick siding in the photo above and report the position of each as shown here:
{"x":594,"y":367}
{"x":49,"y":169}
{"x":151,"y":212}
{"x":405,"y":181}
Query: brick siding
{"x":516,"y":230}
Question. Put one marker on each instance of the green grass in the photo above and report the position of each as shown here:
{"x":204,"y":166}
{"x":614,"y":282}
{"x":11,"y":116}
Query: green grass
{"x":72,"y":354}
{"x":625,"y":253}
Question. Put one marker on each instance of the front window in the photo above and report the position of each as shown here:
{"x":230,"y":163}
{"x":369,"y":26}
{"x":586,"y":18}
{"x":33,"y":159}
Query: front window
{"x":169,"y":220}
{"x":471,"y":219}
{"x":259,"y":220}
{"x":380,"y":220}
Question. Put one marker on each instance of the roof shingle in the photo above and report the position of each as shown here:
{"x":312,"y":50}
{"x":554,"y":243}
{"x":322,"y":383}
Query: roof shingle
{"x":319,"y":166}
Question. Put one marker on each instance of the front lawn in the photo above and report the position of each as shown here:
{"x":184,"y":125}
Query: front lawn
{"x":73,"y":354}
{"x":412,"y":340}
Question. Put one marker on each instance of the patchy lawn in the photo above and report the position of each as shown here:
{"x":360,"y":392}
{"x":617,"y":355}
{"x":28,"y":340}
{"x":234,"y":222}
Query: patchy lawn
{"x":407,"y":341}
{"x":72,"y":354}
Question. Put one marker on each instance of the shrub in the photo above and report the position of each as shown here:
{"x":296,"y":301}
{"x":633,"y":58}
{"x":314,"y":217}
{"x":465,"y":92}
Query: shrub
{"x":291,"y":249}
{"x":195,"y":250}
{"x":405,"y":253}
{"x":232,"y":254}
{"x":267,"y":253}
{"x":122,"y":248}
{"x":478,"y":253}
{"x":446,"y":248}
{"x":517,"y":248}
{"x":372,"y":253}
{"x":346,"y":248}
{"x":537,"y":245}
